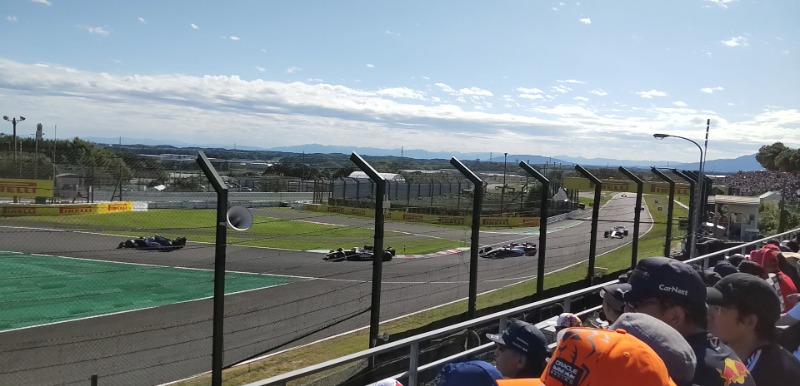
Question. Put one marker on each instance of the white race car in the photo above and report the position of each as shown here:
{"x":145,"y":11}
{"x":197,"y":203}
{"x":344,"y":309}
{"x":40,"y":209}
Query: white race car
{"x":616,"y":232}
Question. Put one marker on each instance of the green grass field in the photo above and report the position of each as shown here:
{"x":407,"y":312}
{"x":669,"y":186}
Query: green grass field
{"x":198,"y":225}
{"x":39,"y":289}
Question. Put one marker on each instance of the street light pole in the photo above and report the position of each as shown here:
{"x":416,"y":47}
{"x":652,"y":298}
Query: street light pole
{"x":698,"y":194}
{"x":14,"y":125}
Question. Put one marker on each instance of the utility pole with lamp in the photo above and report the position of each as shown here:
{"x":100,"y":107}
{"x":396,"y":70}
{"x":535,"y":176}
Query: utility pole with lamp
{"x":14,"y":122}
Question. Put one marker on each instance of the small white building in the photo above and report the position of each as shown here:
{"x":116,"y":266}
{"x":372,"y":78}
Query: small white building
{"x":773,"y":198}
{"x":737,"y":215}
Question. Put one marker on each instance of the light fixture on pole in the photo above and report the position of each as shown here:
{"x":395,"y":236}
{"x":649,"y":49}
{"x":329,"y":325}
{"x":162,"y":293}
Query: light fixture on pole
{"x":14,"y":122}
{"x":698,"y":194}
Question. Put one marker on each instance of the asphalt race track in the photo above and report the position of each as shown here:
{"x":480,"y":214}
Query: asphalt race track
{"x":167,"y":343}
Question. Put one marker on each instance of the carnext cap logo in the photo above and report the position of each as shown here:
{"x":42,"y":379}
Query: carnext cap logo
{"x":673,"y":289}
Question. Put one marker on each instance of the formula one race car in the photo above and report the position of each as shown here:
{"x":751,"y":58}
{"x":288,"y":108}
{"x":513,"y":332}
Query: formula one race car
{"x":510,"y":250}
{"x":616,"y":232}
{"x":367,"y":253}
{"x":155,"y":243}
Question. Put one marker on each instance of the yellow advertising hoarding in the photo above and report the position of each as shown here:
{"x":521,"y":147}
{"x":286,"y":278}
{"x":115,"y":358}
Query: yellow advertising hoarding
{"x":66,"y":209}
{"x":657,"y":187}
{"x":12,"y":187}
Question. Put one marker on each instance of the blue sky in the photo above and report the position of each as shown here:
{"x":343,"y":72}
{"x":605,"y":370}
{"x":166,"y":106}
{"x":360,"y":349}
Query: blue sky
{"x":590,"y":78}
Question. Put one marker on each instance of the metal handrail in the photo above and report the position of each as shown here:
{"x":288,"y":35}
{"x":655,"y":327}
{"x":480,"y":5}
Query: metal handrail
{"x":413,"y":341}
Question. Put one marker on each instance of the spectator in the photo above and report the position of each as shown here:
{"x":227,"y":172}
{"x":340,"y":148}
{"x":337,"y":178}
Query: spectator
{"x":793,"y":246}
{"x":674,"y":292}
{"x":768,"y":258}
{"x":790,"y":335}
{"x":725,"y":268}
{"x":389,"y":382}
{"x":472,"y":373}
{"x":613,"y":305}
{"x":587,"y":356}
{"x":743,"y":313}
{"x":753,"y":268}
{"x":521,"y":350}
{"x":735,"y":259}
{"x":567,"y":320}
{"x":668,"y":343}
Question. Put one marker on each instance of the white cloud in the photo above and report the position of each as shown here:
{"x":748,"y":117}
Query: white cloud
{"x":444,"y":87}
{"x":234,"y":38}
{"x":261,"y":69}
{"x":721,"y":3}
{"x":599,"y":92}
{"x":295,"y":112}
{"x":45,"y":2}
{"x":524,"y":90}
{"x":475,"y":91}
{"x":679,"y":103}
{"x":735,"y":41}
{"x":711,"y":90}
{"x":401,"y":93}
{"x":142,"y":20}
{"x":571,"y":81}
{"x":12,"y":19}
{"x":370,"y":65}
{"x":586,"y":20}
{"x":194,"y":26}
{"x":650,"y":94}
{"x":580,"y":98}
{"x":292,"y":70}
{"x":390,"y":33}
{"x":561,"y":89}
{"x":554,"y":8}
{"x":96,"y":30}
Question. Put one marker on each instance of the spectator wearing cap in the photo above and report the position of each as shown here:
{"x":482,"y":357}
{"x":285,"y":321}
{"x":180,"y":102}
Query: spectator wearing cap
{"x":521,"y":350}
{"x":743,"y":312}
{"x":472,"y":373}
{"x":768,"y":258}
{"x":735,"y":259}
{"x":567,"y":320}
{"x":587,"y":356}
{"x":674,"y":293}
{"x":667,"y":342}
{"x":752,"y":268}
{"x":613,"y":304}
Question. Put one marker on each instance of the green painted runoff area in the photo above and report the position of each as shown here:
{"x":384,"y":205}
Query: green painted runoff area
{"x":38,"y":289}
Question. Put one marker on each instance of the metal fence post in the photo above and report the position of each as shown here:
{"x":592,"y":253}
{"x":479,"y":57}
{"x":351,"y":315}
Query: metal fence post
{"x":692,"y":203}
{"x":377,"y":257}
{"x":598,"y":189}
{"x":477,"y":204}
{"x":219,"y":266}
{"x":637,"y":216}
{"x":542,"y":223}
{"x":670,"y":207}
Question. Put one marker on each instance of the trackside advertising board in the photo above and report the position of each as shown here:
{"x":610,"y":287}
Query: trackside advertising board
{"x":12,"y":187}
{"x":66,"y":209}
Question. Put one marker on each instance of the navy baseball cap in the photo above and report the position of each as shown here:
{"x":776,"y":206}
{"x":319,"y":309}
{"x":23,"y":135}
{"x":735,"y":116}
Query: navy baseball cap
{"x":524,"y":338}
{"x":472,"y":373}
{"x":669,"y":279}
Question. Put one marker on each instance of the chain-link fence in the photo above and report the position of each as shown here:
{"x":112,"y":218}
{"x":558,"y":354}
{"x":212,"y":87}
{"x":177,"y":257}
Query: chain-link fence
{"x":110,"y":273}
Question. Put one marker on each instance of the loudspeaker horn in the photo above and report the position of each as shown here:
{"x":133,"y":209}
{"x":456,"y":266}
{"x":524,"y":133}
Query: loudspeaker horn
{"x":240,"y":218}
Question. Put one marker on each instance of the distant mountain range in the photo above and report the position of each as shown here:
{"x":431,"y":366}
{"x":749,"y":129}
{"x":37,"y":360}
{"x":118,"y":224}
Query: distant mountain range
{"x":743,"y":163}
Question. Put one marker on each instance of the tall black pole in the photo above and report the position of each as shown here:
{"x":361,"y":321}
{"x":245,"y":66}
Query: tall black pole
{"x":670,"y":208}
{"x":637,"y":215}
{"x":598,"y":190}
{"x":221,"y":188}
{"x":377,"y":257}
{"x":692,"y":206}
{"x":543,"y":215}
{"x":477,"y":203}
